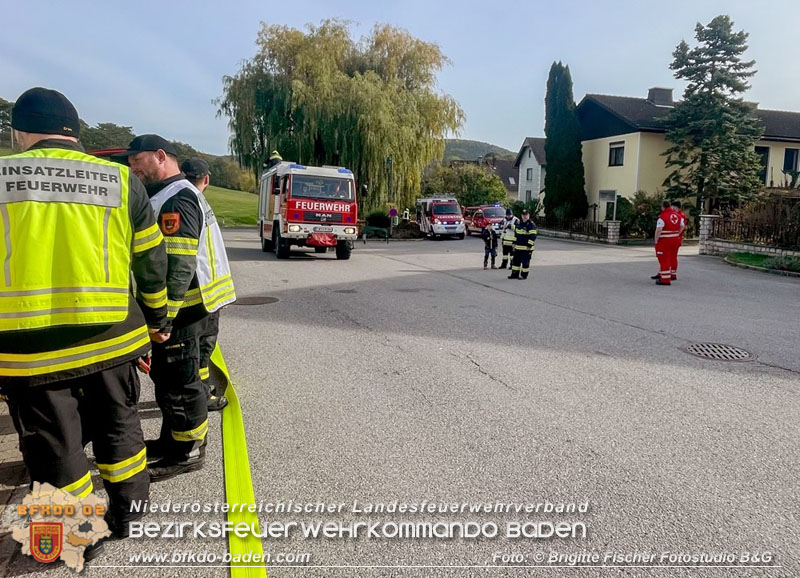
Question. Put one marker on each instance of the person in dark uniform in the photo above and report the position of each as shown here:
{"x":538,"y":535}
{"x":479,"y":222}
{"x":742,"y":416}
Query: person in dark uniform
{"x":490,"y":238}
{"x":176,"y":363}
{"x":71,"y":332}
{"x":525,"y":237}
{"x":198,"y":173}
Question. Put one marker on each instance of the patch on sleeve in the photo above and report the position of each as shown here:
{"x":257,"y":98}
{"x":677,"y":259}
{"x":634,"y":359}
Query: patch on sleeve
{"x":170,"y":223}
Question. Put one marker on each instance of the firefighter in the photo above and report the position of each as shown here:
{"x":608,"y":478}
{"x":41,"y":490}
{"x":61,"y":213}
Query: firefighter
{"x":524,"y":239}
{"x":274,"y":159}
{"x":509,"y":225}
{"x":198,"y":173}
{"x":198,"y":283}
{"x":71,"y":332}
{"x":668,"y":236}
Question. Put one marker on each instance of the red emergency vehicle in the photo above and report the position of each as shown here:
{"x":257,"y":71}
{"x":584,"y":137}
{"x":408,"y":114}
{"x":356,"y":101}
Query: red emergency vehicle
{"x":307,"y":206}
{"x":475,"y":218}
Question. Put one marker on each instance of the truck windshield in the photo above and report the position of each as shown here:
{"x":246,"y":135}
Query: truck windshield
{"x":448,"y":209}
{"x":311,"y":187}
{"x":493,"y":212}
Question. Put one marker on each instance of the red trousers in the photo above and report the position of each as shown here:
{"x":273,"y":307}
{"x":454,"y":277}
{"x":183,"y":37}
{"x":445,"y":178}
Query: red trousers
{"x":667,"y":254}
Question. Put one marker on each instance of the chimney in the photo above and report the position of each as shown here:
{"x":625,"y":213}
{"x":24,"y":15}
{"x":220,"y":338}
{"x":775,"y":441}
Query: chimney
{"x":660,"y":96}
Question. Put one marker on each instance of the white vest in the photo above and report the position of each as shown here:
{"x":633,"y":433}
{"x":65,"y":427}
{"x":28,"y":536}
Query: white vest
{"x":213,"y":270}
{"x":509,"y":235}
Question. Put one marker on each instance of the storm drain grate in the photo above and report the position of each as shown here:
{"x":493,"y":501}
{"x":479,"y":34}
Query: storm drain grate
{"x":255,"y":300}
{"x":719,"y":352}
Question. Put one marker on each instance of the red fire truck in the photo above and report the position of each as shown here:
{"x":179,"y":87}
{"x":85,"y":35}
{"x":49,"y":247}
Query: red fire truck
{"x":307,"y":207}
{"x":475,"y":218}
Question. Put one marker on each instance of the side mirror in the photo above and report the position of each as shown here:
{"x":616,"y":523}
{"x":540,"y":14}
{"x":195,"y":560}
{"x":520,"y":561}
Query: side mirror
{"x":276,"y":185}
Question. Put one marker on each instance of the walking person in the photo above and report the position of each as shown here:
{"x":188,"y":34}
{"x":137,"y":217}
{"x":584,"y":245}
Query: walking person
{"x":490,"y":239}
{"x":668,"y":231}
{"x":524,"y":239}
{"x":509,"y":235}
{"x":198,"y":283}
{"x":71,"y":333}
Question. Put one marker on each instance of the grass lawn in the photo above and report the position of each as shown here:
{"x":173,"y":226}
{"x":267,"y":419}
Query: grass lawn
{"x":5,"y":151}
{"x":232,"y":208}
{"x":748,"y":259}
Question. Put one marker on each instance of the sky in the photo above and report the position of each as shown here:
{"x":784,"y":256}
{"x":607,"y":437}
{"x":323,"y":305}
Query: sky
{"x":158,"y":66}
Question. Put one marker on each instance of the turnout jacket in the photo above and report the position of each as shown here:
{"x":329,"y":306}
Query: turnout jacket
{"x":525,"y":235}
{"x":74,"y":228}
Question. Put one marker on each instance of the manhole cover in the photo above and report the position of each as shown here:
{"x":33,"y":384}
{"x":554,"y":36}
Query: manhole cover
{"x":719,"y":352}
{"x":255,"y":300}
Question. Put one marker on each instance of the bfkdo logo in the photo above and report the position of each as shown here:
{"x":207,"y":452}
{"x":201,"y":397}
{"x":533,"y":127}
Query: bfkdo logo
{"x":55,"y":525}
{"x":46,"y":540}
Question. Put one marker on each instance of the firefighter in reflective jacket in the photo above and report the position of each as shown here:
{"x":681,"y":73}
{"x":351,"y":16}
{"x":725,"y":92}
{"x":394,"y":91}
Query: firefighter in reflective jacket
{"x":525,"y":237}
{"x":669,"y":227}
{"x":198,"y":283}
{"x":74,"y":227}
{"x":509,"y":236}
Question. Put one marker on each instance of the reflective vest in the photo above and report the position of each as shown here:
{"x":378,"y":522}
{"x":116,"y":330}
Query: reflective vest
{"x":509,"y":230}
{"x":213,"y":270}
{"x":65,"y":240}
{"x":671,"y":223}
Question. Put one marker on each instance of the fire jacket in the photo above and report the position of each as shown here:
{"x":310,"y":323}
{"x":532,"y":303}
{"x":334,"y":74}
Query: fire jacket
{"x":525,"y":235}
{"x":74,"y":227}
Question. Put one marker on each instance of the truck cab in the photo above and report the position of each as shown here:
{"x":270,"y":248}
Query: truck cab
{"x":307,"y":206}
{"x":440,"y":217}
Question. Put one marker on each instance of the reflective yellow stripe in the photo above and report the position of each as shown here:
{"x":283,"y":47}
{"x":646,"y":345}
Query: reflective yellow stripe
{"x":238,"y":480}
{"x":121,"y":471}
{"x":82,"y":487}
{"x":181,"y":241}
{"x":173,"y":308}
{"x":210,"y":252}
{"x":216,"y":282}
{"x":229,"y":293}
{"x":192,"y":297}
{"x":147,"y":239}
{"x":191,"y":435}
{"x":27,"y":364}
{"x":154,"y":300}
{"x":173,"y":251}
{"x":34,"y":308}
{"x":205,"y":373}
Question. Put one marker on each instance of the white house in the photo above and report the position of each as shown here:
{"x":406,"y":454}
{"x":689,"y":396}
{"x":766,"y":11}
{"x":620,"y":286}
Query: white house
{"x":531,"y":164}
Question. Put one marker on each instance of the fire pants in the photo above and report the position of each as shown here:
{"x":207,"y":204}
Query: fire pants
{"x":180,"y":392}
{"x":56,"y":421}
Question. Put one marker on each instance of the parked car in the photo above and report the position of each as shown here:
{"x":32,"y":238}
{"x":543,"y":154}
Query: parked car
{"x":476,"y":218}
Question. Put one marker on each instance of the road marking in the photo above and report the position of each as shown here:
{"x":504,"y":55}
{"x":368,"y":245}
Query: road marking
{"x":238,"y":481}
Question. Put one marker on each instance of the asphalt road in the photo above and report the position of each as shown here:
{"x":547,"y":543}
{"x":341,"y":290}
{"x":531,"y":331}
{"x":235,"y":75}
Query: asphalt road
{"x":408,"y":373}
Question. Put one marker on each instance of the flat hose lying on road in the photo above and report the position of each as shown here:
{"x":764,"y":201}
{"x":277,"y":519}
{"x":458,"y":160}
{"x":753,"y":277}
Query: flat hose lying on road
{"x":238,"y":482}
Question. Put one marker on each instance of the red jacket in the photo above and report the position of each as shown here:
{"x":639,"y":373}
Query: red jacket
{"x":670,"y":222}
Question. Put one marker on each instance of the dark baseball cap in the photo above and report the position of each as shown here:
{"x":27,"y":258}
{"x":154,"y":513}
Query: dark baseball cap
{"x":44,"y":111}
{"x":149,"y":142}
{"x":526,"y":212}
{"x":195,"y":168}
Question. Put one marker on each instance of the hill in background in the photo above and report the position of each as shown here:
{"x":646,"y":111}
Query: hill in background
{"x":470,"y":150}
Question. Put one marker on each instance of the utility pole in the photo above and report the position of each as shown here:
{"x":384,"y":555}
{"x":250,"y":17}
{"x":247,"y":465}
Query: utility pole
{"x":390,"y":162}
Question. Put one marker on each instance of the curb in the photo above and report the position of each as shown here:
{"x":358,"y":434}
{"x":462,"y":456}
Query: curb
{"x":762,"y":269}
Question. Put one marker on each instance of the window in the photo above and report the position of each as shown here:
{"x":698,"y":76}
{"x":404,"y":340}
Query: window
{"x":616,"y":154}
{"x":530,"y":152}
{"x":527,"y":196}
{"x":512,"y":181}
{"x":790,"y":160}
{"x":763,"y":155}
{"x":529,"y":175}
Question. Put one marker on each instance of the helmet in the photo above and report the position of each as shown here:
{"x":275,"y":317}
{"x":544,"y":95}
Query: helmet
{"x":509,"y":212}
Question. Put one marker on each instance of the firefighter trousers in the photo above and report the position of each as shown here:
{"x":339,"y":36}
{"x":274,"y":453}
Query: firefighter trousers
{"x":507,"y":251}
{"x":208,"y":340}
{"x":521,"y":263}
{"x":56,"y":421}
{"x":180,"y":393}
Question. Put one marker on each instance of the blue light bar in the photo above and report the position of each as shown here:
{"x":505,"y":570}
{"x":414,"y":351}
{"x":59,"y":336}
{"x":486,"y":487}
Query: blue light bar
{"x":296,"y":166}
{"x":346,"y":171}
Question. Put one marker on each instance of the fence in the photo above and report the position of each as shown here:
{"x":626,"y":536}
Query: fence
{"x":578,"y":226}
{"x":784,"y":236}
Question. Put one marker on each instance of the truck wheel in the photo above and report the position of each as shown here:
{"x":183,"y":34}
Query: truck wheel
{"x":467,"y":232}
{"x":279,"y":246}
{"x":343,"y":249}
{"x":320,"y":249}
{"x":461,"y":235}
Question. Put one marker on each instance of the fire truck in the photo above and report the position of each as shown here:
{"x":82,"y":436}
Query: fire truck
{"x":307,"y":206}
{"x":441,"y":216}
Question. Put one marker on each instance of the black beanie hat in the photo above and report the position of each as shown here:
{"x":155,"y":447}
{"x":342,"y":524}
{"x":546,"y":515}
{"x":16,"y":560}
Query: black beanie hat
{"x":44,"y":111}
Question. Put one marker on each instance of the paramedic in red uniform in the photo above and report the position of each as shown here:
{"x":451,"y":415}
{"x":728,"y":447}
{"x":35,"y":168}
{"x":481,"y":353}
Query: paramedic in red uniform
{"x":676,"y":206}
{"x":668,"y":238}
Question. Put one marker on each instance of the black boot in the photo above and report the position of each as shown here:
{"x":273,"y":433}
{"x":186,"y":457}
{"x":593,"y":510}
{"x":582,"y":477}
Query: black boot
{"x":169,"y":467}
{"x":217,"y":402}
{"x":503,"y":263}
{"x":155,"y":450}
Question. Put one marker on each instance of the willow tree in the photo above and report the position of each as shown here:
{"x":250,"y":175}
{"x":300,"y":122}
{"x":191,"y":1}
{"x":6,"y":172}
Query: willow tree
{"x":322,"y":97}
